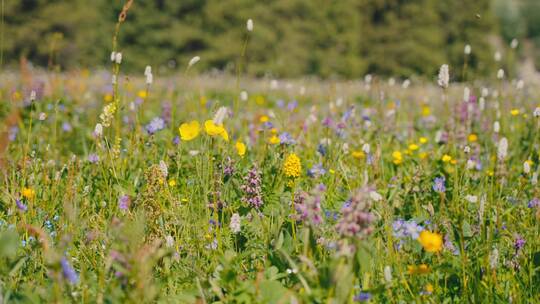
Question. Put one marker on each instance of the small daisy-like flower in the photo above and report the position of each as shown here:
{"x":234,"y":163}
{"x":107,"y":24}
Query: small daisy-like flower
{"x":240,"y":148}
{"x":431,"y":241}
{"x":28,"y":193}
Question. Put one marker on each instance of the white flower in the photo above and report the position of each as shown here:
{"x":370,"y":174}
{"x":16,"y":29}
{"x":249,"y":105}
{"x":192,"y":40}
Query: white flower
{"x":118,"y":58}
{"x":536,"y":112}
{"x":32,"y":96}
{"x":194,"y":60}
{"x":113,"y":56}
{"x":520,"y":84}
{"x":391,"y":81}
{"x":220,"y":115}
{"x":466,"y":94}
{"x":243,"y":96}
{"x":149,"y":79}
{"x":194,"y":152}
{"x":494,"y":258}
{"x":514,"y":44}
{"x":467,"y":49}
{"x":163,"y":168}
{"x":444,"y":76}
{"x":470,"y":164}
{"x":471,"y":198}
{"x":526,"y":167}
{"x":368,"y":78}
{"x":502,"y":148}
{"x":302,"y":90}
{"x":235,"y":224}
{"x":345,"y":148}
{"x":274,"y":84}
{"x":169,"y":241}
{"x":406,"y":83}
{"x":500,"y":74}
{"x":534,"y":178}
{"x":42,"y":116}
{"x":366,"y":148}
{"x":496,"y":127}
{"x":147,"y":70}
{"x":375,"y":196}
{"x":249,"y":25}
{"x":387,"y":274}
{"x":485,"y":92}
{"x":98,"y":130}
{"x":467,"y":149}
{"x":497,"y":56}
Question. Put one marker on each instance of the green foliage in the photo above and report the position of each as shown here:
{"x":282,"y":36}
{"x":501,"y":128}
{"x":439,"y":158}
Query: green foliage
{"x":345,"y":38}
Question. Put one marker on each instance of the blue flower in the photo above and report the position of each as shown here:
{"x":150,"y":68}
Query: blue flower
{"x":438,"y":184}
{"x":155,"y":125}
{"x":68,"y":271}
{"x":362,"y":297}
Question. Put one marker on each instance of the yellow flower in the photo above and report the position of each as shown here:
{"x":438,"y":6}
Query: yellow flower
{"x":240,"y":148}
{"x":274,"y":140}
{"x":263,"y":119}
{"x":413,"y":147}
{"x":472,"y":137}
{"x":292,"y":166}
{"x":28,"y":193}
{"x":108,"y":97}
{"x":420,"y":269}
{"x":189,"y":131}
{"x":215,"y":130}
{"x":259,"y":100}
{"x":429,"y":288}
{"x":142,"y":94}
{"x":358,"y":154}
{"x":172,"y":182}
{"x":398,"y":157}
{"x":273,"y":131}
{"x":446,"y":158}
{"x":426,"y":111}
{"x":514,"y":112}
{"x":423,"y":155}
{"x":423,"y":140}
{"x":431,"y":241}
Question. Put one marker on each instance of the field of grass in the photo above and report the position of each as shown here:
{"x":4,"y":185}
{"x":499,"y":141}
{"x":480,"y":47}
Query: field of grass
{"x":188,"y":190}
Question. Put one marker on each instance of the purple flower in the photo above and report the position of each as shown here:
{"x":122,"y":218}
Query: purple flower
{"x":519,"y":243}
{"x":93,"y":158}
{"x":438,"y":184}
{"x":155,"y":125}
{"x":21,"y":205}
{"x":356,"y":220}
{"x":362,"y":297}
{"x":123,"y":202}
{"x":316,"y":171}
{"x":252,"y":188}
{"x":66,"y":126}
{"x":286,"y":139}
{"x":321,"y":149}
{"x":166,"y":109}
{"x":12,"y":134}
{"x":308,"y":206}
{"x":176,"y":140}
{"x":68,"y":271}
{"x":292,"y":105}
{"x":404,"y":229}
{"x":534,"y":203}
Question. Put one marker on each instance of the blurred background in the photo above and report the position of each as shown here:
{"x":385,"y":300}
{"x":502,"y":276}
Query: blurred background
{"x":292,"y":38}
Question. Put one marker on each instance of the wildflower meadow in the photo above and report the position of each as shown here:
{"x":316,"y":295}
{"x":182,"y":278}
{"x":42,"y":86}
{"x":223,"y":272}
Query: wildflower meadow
{"x":209,"y":188}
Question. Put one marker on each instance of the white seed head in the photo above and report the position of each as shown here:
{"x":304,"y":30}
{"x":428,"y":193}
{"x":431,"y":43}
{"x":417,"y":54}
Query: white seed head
{"x":118,"y":58}
{"x":496,"y":127}
{"x":235,"y":224}
{"x":163,"y":168}
{"x":375,"y":196}
{"x":471,"y":198}
{"x":497,"y":56}
{"x":32,"y":96}
{"x":406,"y":83}
{"x":113,"y":56}
{"x":444,"y":76}
{"x":149,"y":78}
{"x":388,"y":274}
{"x":366,"y":148}
{"x":368,"y":78}
{"x":98,"y":130}
{"x":536,"y":112}
{"x":220,"y":115}
{"x":467,"y":49}
{"x":147,"y":70}
{"x":514,"y":44}
{"x":244,"y":96}
{"x":502,"y":148}
{"x":42,"y":116}
{"x":249,"y":25}
{"x":526,"y":167}
{"x":500,"y":74}
{"x":194,"y":60}
{"x":466,"y":94}
{"x":520,"y":84}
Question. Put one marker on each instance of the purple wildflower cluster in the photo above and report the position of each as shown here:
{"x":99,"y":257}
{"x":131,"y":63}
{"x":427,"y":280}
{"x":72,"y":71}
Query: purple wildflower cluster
{"x":439,"y":184}
{"x":406,"y":229}
{"x":155,"y":125}
{"x":356,"y":220}
{"x":69,"y":273}
{"x":316,"y":171}
{"x":308,"y":206}
{"x":252,"y":188}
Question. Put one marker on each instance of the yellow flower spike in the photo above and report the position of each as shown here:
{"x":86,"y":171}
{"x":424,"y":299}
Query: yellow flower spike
{"x":431,"y":241}
{"x":423,"y":140}
{"x":240,"y":148}
{"x":292,"y":166}
{"x":472,"y":137}
{"x":514,"y":112}
{"x":189,"y":131}
{"x":28,"y":193}
{"x":446,"y":158}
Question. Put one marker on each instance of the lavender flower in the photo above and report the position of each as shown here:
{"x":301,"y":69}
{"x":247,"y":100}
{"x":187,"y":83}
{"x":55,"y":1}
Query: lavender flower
{"x":308,"y":206}
{"x":93,"y":158}
{"x":155,"y":125}
{"x":68,"y":271}
{"x":316,"y":171}
{"x":252,"y":188}
{"x":21,"y":205}
{"x":438,"y":184}
{"x":235,"y":223}
{"x":356,"y":220}
{"x":286,"y":139}
{"x":66,"y":127}
{"x":405,"y":229}
{"x":123,"y":202}
{"x":362,"y":297}
{"x":519,"y":243}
